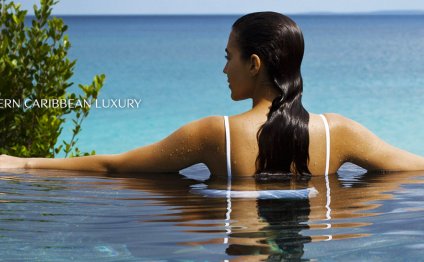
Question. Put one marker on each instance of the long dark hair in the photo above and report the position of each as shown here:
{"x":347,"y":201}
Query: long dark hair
{"x":284,"y":138}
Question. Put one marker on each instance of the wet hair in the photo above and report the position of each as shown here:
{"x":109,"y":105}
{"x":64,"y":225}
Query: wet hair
{"x":284,"y":138}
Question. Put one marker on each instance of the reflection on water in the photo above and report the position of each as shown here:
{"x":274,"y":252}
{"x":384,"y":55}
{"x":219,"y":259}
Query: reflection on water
{"x":56,"y":215}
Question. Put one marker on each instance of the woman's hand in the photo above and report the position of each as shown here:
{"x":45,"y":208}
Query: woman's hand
{"x":12,"y":162}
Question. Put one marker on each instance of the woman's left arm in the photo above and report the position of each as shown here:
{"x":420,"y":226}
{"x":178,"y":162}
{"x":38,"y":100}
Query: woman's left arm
{"x":186,"y":146}
{"x":357,"y":144}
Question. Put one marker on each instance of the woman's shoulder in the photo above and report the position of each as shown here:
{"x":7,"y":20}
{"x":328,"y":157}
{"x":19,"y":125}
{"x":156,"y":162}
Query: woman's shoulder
{"x":335,"y":118}
{"x":340,"y":123}
{"x":349,"y":137}
{"x":206,"y":123}
{"x":208,"y":129}
{"x":210,"y":123}
{"x":342,"y":127}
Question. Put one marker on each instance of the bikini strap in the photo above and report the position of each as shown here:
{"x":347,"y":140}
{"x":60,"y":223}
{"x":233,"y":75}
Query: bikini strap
{"x":327,"y":141}
{"x":228,"y":193}
{"x":327,"y":180}
{"x":227,"y":145}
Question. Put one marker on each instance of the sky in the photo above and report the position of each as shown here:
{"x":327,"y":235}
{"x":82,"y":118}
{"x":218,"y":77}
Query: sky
{"x":76,"y":7}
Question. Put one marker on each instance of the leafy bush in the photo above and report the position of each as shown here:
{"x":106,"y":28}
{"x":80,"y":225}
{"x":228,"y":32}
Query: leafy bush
{"x":34,"y":65}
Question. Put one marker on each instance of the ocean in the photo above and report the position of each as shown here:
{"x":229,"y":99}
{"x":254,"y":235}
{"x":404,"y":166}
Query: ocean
{"x":368,"y":68}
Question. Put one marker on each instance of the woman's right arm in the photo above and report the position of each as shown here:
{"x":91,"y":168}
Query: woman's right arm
{"x":190,"y":144}
{"x":360,"y":146}
{"x":96,"y":163}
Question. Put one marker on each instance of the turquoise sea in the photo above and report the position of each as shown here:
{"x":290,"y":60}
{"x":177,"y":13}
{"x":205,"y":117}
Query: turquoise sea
{"x":369,"y":68}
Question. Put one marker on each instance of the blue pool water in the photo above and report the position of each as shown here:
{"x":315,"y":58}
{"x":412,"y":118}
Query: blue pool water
{"x":63,"y":216}
{"x":368,"y":68}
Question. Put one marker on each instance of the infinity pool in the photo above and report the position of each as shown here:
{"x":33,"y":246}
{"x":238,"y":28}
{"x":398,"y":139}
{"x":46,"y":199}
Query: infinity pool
{"x":354,"y":216}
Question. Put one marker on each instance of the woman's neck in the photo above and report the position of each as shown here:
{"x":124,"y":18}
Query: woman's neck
{"x":263,"y":96}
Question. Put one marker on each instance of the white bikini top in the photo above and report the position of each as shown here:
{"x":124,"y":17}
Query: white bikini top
{"x":228,"y":145}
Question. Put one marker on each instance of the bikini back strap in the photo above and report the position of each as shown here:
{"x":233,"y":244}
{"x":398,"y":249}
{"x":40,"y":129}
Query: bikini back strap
{"x":227,"y":145}
{"x":228,"y":192}
{"x":327,"y":141}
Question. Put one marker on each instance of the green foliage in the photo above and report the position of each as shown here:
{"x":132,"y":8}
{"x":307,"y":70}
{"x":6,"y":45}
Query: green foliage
{"x":34,"y":65}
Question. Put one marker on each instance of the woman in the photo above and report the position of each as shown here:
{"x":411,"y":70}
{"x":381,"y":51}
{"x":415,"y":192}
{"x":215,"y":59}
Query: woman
{"x":264,"y":55}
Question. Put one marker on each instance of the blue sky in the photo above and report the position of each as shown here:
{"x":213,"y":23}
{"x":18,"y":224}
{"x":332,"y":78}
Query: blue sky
{"x":224,"y":6}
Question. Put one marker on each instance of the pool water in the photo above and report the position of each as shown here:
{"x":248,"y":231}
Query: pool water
{"x":355,"y":216}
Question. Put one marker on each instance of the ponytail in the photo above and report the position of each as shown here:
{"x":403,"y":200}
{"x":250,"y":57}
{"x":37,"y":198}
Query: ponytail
{"x":283,"y":139}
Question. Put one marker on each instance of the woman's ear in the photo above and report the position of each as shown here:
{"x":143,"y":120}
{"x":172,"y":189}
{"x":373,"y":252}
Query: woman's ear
{"x":255,"y":65}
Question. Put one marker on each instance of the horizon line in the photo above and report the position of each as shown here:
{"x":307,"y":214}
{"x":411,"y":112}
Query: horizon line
{"x":329,"y":13}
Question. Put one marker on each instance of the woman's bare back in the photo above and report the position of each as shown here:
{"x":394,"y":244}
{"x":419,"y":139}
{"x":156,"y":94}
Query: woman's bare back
{"x":244,"y":145}
{"x":349,"y":141}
